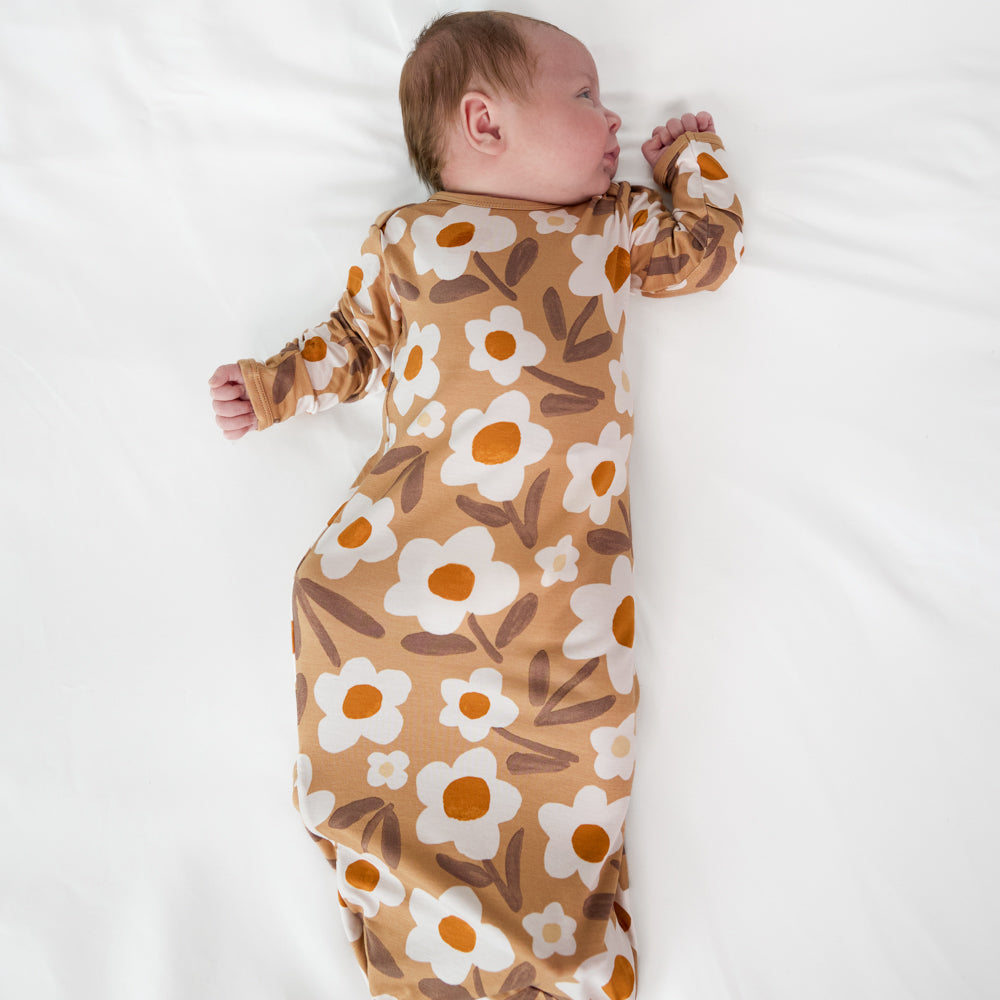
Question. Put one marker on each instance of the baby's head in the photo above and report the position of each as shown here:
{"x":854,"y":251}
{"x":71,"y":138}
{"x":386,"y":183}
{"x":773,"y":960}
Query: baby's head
{"x":496,"y":103}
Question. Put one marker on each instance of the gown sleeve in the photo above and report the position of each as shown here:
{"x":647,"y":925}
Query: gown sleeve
{"x":340,"y":360}
{"x":697,"y":245}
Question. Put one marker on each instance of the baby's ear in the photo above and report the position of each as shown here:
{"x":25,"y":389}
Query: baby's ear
{"x":478,"y":122}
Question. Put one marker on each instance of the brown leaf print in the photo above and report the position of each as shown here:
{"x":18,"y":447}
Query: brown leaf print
{"x":497,"y":283}
{"x":301,"y":694}
{"x":520,"y":261}
{"x":403,"y":288}
{"x":437,"y":990}
{"x":521,"y":978}
{"x":464,"y":871}
{"x":348,"y":815}
{"x":392,"y":843}
{"x":718,"y":266}
{"x":518,"y":619}
{"x":556,"y":405}
{"x":550,"y":715}
{"x":527,"y":530}
{"x":413,"y":488}
{"x":379,"y":956}
{"x":457,"y":289}
{"x":554,"y":313}
{"x":533,"y":763}
{"x":343,"y":610}
{"x":394,"y":457}
{"x":582,"y":350}
{"x":538,"y":678}
{"x":317,"y":626}
{"x":284,"y":378}
{"x":428,"y":644}
{"x":484,"y":641}
{"x":597,"y":906}
{"x":484,"y":513}
{"x":512,"y":871}
{"x":540,"y":749}
{"x":609,"y":543}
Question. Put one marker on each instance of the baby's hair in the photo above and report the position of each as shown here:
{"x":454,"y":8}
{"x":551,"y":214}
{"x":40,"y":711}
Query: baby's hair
{"x":453,"y":54}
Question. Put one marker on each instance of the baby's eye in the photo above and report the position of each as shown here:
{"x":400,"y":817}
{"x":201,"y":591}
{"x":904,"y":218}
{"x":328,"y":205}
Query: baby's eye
{"x":586,"y":93}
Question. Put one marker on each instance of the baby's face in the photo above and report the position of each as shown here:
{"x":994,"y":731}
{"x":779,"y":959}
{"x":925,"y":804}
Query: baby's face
{"x":563,"y":138}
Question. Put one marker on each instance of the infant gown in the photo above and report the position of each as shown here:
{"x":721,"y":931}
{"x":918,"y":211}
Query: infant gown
{"x":463,"y":627}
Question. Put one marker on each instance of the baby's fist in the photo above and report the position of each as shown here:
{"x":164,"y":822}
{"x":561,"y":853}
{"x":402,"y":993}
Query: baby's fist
{"x":664,"y":135}
{"x":233,"y":410}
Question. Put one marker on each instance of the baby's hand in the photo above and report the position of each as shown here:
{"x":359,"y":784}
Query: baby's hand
{"x":666,"y":134}
{"x":233,"y":412}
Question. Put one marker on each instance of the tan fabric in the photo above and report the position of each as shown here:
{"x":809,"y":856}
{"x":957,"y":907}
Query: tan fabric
{"x":463,"y":627}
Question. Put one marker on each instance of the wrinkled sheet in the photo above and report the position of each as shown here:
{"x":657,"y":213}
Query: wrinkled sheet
{"x":816,"y":492}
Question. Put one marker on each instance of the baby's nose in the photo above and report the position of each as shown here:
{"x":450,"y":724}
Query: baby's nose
{"x":614,"y":122}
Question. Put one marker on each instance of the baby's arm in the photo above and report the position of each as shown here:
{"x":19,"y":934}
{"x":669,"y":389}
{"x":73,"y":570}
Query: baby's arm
{"x":233,"y":411}
{"x":666,"y":134}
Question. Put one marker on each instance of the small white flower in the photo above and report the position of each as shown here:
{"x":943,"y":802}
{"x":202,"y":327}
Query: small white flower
{"x":623,"y":386}
{"x":556,"y":221}
{"x":365,"y":881}
{"x":615,"y":746}
{"x":476,"y":706}
{"x":558,"y":561}
{"x":388,"y":769}
{"x":551,"y":932}
{"x":416,"y":373}
{"x":502,"y":346}
{"x":429,"y":421}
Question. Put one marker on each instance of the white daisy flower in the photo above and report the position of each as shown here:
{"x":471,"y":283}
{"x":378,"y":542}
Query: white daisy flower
{"x":429,"y":421}
{"x":551,"y":932}
{"x":321,"y":356}
{"x":582,"y":836}
{"x":558,"y":561}
{"x":465,"y":803}
{"x":615,"y":746}
{"x":388,"y":769}
{"x":623,"y":386}
{"x":492,"y":449}
{"x":600,"y":473}
{"x":502,"y":346}
{"x":607,"y":626}
{"x":476,"y":706}
{"x":360,"y":533}
{"x":707,"y":176}
{"x":360,"y":278}
{"x":314,"y":807}
{"x":416,"y":373}
{"x":366,"y":881}
{"x":451,"y":936}
{"x":444,"y":244}
{"x":315,"y":404}
{"x":359,"y":702}
{"x":605,"y":268}
{"x":609,"y":974}
{"x":440,"y":584}
{"x":393,"y":230}
{"x":554,"y":221}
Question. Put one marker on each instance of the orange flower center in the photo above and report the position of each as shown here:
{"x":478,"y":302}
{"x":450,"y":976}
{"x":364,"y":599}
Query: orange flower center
{"x":623,"y":624}
{"x":456,"y":933}
{"x":355,"y":280}
{"x":473,"y":705}
{"x":496,"y":443}
{"x":362,"y":875}
{"x":414,"y":363}
{"x":362,"y":701}
{"x":355,"y":534}
{"x":602,"y":477}
{"x":453,"y":582}
{"x":622,"y":981}
{"x":591,"y":843}
{"x":500,"y":344}
{"x":617,"y":267}
{"x":466,"y":799}
{"x":458,"y":234}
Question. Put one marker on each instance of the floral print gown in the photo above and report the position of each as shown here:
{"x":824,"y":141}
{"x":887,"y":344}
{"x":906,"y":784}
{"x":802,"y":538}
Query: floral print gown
{"x":463,"y":627}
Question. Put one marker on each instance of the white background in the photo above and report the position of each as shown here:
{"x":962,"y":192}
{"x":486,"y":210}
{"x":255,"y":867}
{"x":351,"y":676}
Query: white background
{"x":816,"y":492}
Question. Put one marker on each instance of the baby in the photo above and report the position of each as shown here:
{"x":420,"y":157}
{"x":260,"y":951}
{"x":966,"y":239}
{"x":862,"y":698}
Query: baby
{"x":463,"y":626}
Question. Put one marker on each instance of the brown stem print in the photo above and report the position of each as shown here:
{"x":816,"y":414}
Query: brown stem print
{"x":300,"y":601}
{"x":496,"y":517}
{"x":488,"y":648}
{"x":521,"y":260}
{"x":575,"y":398}
{"x":551,"y":715}
{"x":542,"y":760}
{"x":345,"y":611}
{"x":480,"y":876}
{"x":491,"y":276}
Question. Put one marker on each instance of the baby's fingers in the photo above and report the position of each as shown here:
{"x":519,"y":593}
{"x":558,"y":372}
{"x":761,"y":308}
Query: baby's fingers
{"x":705,"y":122}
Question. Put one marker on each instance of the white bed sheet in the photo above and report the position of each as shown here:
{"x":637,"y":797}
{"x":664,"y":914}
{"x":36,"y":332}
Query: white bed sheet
{"x":816,"y":492}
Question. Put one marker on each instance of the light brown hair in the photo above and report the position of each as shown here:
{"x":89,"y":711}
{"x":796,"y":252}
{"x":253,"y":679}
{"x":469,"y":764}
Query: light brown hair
{"x":452,"y":55}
